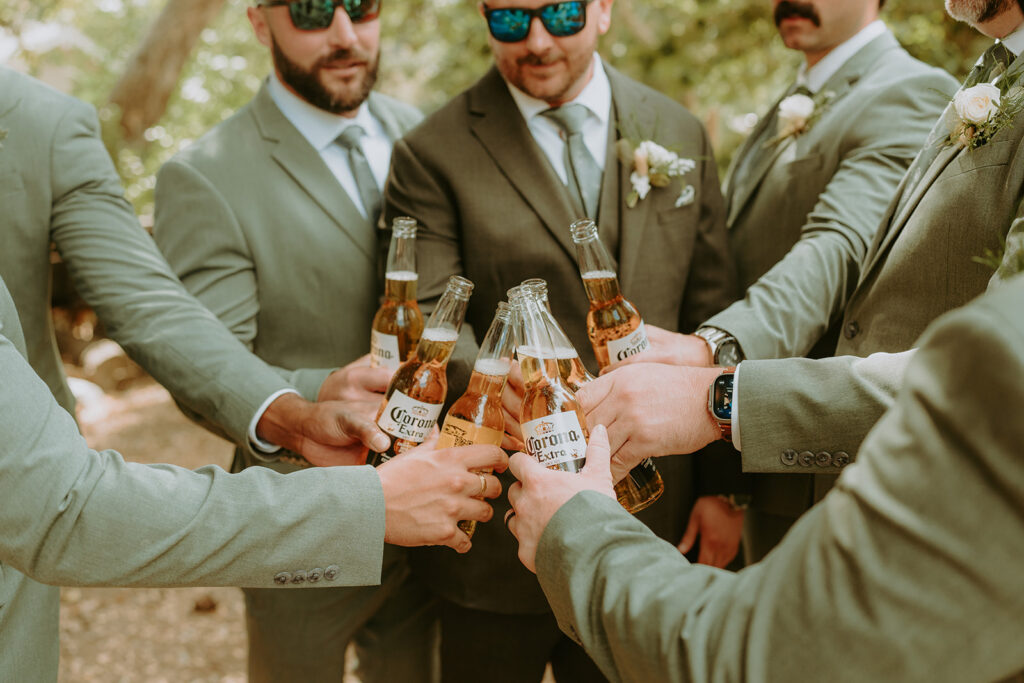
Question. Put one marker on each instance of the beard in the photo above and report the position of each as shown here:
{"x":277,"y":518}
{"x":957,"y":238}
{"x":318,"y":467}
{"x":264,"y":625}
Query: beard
{"x":308,"y":84}
{"x":793,"y":8}
{"x":976,"y":11}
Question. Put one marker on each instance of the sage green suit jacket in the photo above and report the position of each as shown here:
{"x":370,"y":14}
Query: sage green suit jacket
{"x":799,"y":415}
{"x":801,"y":223}
{"x":910,"y":569}
{"x":71,"y":516}
{"x":58,"y":185}
{"x":491,"y":208}
{"x":261,"y":232}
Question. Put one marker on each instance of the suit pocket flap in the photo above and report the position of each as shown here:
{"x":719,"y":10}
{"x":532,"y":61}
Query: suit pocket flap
{"x":805,"y":164}
{"x":995,"y":153}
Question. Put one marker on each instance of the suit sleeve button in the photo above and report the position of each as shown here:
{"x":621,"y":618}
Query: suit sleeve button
{"x":841,"y":459}
{"x":788,"y":457}
{"x":806,"y":458}
{"x":331,"y":573}
{"x":823,"y":459}
{"x":851,"y":329}
{"x":299,"y":577}
{"x":314,"y":575}
{"x":281,"y":578}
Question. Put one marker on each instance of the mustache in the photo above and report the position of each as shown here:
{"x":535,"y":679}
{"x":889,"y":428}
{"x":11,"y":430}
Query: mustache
{"x":342,"y":55}
{"x":538,"y":60}
{"x":801,"y":10}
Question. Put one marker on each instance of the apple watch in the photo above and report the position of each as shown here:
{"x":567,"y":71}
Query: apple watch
{"x":720,"y":402}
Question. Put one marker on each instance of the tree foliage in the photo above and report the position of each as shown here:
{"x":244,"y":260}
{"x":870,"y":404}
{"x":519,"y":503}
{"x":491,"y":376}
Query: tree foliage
{"x":721,"y":58}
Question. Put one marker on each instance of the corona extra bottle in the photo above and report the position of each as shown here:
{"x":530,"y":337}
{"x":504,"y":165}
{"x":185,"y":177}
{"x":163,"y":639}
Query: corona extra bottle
{"x":614,"y":326}
{"x":554,"y":429}
{"x":643,"y":485}
{"x":476,"y":417}
{"x":414,"y":398}
{"x":399,"y":323}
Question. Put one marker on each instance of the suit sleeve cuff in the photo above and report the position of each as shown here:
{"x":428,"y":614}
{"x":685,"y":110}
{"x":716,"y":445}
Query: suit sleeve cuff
{"x":258,"y":445}
{"x":736,"y":408}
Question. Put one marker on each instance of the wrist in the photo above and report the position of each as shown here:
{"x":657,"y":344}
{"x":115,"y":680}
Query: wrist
{"x":723,"y":348}
{"x":720,"y":402}
{"x":281,"y":421}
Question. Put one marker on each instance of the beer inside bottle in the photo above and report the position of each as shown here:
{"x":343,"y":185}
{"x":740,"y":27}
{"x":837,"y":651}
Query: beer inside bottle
{"x":398,"y":324}
{"x":476,"y":417}
{"x":416,"y":393}
{"x":571,"y":368}
{"x":616,"y":331}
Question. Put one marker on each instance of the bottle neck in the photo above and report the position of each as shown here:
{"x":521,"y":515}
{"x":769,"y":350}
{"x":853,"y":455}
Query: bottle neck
{"x":602,"y":287}
{"x":484,"y":384}
{"x":400,"y":285}
{"x":402,"y":255}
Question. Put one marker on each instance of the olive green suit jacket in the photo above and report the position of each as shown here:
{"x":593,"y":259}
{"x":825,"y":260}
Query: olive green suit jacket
{"x":801,"y":415}
{"x":802,"y":219}
{"x":58,"y":185}
{"x":72,"y":516}
{"x":491,"y":208}
{"x":910,"y":569}
{"x":261,"y":232}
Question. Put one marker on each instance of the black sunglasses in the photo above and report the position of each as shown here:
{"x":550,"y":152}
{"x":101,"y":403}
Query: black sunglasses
{"x":316,"y":15}
{"x":560,"y":19}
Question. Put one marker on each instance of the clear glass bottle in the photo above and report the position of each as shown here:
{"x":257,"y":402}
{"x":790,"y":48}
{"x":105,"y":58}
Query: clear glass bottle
{"x":417,"y":391}
{"x":398,"y":324}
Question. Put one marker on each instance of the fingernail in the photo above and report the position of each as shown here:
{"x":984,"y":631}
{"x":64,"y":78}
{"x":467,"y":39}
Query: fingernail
{"x":381,"y":443}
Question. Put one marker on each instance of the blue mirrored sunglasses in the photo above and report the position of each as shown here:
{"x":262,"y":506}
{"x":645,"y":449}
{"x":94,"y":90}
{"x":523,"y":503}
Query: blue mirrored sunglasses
{"x":560,"y":19}
{"x":316,"y":15}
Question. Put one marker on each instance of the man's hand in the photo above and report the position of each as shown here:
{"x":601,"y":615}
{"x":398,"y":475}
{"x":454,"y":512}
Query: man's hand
{"x":357,"y":381}
{"x":511,"y":405}
{"x":428,"y":491}
{"x":540,"y":492}
{"x":670,"y":348}
{"x":651,"y":410}
{"x":719,"y":528}
{"x":325,"y":433}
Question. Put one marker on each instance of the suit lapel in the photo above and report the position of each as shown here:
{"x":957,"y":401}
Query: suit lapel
{"x":635,"y":119}
{"x":500,"y":128}
{"x":295,"y":155}
{"x":736,"y":197}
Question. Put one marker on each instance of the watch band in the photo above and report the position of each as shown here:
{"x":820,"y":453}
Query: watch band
{"x":725,"y":350}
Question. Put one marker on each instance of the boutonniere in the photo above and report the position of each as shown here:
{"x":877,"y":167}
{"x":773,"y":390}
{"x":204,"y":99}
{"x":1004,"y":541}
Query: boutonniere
{"x":654,"y":166}
{"x":982,"y":111}
{"x":797,"y":113}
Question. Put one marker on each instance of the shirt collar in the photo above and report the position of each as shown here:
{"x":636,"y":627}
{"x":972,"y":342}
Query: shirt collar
{"x":320,"y":128}
{"x":817,"y":76}
{"x":1015,"y":41}
{"x":596,"y":96}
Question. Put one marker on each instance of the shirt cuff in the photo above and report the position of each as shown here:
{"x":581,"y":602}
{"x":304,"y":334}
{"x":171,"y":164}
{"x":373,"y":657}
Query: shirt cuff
{"x":736,"y":408}
{"x":258,"y":444}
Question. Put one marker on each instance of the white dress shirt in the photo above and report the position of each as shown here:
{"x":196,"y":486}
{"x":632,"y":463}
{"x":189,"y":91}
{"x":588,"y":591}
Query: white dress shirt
{"x":596,"y":96}
{"x":817,"y":76}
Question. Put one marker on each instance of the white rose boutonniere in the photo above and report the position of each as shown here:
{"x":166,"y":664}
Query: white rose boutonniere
{"x":980,"y":112}
{"x":797,"y":113}
{"x":654,"y":166}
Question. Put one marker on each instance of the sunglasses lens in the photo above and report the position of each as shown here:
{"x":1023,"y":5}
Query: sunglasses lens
{"x":564,"y":18}
{"x":311,"y":15}
{"x":361,"y":10}
{"x":508,"y":25}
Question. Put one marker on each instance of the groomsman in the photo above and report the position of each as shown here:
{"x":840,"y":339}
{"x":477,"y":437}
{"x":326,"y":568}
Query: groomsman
{"x":909,"y":570}
{"x":808,"y":190}
{"x":270,"y":220}
{"x":73,"y":516}
{"x":495,"y":178}
{"x":957,"y":201}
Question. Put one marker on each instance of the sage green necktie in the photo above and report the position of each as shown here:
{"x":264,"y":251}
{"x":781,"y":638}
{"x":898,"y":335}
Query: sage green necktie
{"x":993,"y":62}
{"x":366,"y":183}
{"x":583,"y":173}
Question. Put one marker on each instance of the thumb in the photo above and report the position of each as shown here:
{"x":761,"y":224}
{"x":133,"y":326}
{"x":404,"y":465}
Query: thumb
{"x":690,"y":536}
{"x":523,"y":466}
{"x":364,"y":430}
{"x":599,"y":455}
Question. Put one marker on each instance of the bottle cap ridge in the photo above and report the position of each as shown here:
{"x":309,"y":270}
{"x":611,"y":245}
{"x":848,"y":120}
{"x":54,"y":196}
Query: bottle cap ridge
{"x":403,"y":227}
{"x":583,"y":230}
{"x":460,"y":287}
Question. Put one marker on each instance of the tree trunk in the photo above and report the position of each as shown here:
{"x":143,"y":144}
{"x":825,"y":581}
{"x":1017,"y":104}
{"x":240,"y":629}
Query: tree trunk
{"x":153,"y":71}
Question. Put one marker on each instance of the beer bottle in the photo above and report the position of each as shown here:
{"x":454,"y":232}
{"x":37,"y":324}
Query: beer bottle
{"x":643,"y":485}
{"x":553,"y":425}
{"x":399,"y":322}
{"x":570,"y":367}
{"x":414,"y":398}
{"x":614,"y":326}
{"x":476,"y":417}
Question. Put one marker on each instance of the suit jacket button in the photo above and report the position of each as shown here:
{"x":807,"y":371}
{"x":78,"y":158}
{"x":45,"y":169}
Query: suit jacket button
{"x":314,"y":575}
{"x":788,"y":457}
{"x":851,"y":330}
{"x":299,"y":577}
{"x":331,"y":573}
{"x":823,"y":459}
{"x":806,"y":458}
{"x":841,"y":459}
{"x":281,"y":578}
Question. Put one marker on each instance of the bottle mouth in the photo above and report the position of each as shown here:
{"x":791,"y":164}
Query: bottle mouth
{"x":536,"y":286}
{"x":583,"y":230}
{"x":460,"y":287}
{"x":403,"y":227}
{"x":503,"y":312}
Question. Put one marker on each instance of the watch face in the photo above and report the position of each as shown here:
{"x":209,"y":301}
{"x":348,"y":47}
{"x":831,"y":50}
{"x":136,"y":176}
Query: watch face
{"x":721,"y":400}
{"x":728,"y":354}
